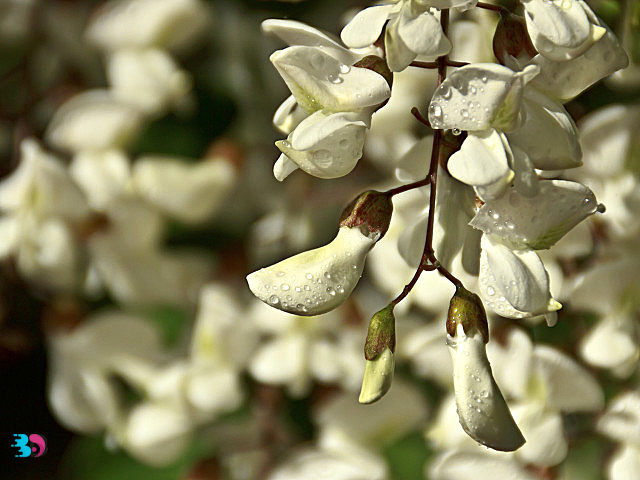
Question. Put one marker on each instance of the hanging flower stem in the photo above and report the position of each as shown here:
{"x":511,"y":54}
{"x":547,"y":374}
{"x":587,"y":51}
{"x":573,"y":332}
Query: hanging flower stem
{"x":429,"y":262}
{"x":434,"y":65}
{"x":489,"y":6}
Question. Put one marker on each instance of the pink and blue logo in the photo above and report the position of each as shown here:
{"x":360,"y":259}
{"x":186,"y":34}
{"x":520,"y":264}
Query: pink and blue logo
{"x":32,"y":445}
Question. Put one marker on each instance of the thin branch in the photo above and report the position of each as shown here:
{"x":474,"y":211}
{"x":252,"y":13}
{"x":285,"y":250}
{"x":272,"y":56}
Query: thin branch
{"x":434,"y":65}
{"x":416,"y":113}
{"x":489,"y":6}
{"x":409,"y":186}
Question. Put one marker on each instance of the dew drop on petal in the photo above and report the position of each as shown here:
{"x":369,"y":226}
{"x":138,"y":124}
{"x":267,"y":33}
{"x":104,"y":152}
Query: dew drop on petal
{"x":274,"y":300}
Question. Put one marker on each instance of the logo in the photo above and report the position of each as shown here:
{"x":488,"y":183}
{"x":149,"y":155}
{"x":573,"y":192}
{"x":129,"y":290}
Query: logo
{"x":33,"y":445}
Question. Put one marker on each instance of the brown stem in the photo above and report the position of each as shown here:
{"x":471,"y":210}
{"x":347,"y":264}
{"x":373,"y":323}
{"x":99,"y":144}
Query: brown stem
{"x":429,"y":261}
{"x":416,"y":113}
{"x":434,"y":65}
{"x":489,"y":6}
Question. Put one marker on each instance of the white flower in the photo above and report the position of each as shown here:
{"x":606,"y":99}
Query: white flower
{"x":539,"y":221}
{"x":561,"y":29}
{"x":480,"y":96}
{"x":172,"y":24}
{"x":315,"y":281}
{"x":514,"y":283}
{"x":301,"y":349}
{"x":191,"y":192}
{"x":149,"y":79}
{"x":411,"y":30}
{"x":319,"y":79}
{"x":621,"y":422}
{"x":482,"y":410}
{"x":82,"y":392}
{"x":323,"y":145}
{"x":93,"y":120}
{"x":41,"y":204}
{"x":457,"y":465}
{"x":564,"y":80}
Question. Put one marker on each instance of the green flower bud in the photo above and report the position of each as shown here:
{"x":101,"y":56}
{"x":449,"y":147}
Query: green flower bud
{"x":466,"y":309}
{"x":378,"y":351}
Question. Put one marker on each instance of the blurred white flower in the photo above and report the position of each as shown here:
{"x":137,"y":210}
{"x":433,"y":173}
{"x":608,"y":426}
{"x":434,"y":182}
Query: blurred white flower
{"x":149,"y":79}
{"x":93,"y":120}
{"x":621,"y":422}
{"x":171,"y":24}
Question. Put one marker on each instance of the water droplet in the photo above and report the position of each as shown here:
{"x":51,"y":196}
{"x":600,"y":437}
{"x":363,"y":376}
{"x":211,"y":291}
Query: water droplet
{"x":298,"y":289}
{"x":284,"y":287}
{"x":345,"y":68}
{"x":436,"y":110}
{"x":322,"y":158}
{"x":331,"y":291}
{"x":317,"y":61}
{"x":491,"y":291}
{"x":484,"y":79}
{"x":473,"y":89}
{"x":274,"y":300}
{"x":327,"y":275}
{"x":280,"y":274}
{"x":309,"y":276}
{"x":456,"y":131}
{"x":495,"y":215}
{"x":307,"y":288}
{"x":445,"y":91}
{"x":344,"y":143}
{"x":334,"y":78}
{"x":464,"y":113}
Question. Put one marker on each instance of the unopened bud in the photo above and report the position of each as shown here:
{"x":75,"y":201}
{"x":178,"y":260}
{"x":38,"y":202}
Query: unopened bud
{"x":378,"y":352}
{"x":466,"y":309}
{"x":371,"y":212}
{"x":511,"y":39}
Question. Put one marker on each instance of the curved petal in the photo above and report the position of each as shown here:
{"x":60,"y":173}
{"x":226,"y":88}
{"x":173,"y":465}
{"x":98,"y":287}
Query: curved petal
{"x":546,"y":444}
{"x":539,"y":221}
{"x":514,"y":283}
{"x":284,"y":167}
{"x":326,"y":146}
{"x":511,"y":360}
{"x":622,"y":419}
{"x":479,"y":96}
{"x":569,"y":387}
{"x":365,"y":27}
{"x":624,"y":464}
{"x":399,"y":55}
{"x":318,"y":80}
{"x":564,"y":80}
{"x":610,"y":344}
{"x":422,"y":34}
{"x":482,"y":410}
{"x":560,"y":29}
{"x":481,"y":160}
{"x":288,"y":115}
{"x":548,"y":120}
{"x":315,"y":281}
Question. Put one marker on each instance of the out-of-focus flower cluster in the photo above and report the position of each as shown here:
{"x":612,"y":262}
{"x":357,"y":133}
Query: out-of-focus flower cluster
{"x":535,"y":217}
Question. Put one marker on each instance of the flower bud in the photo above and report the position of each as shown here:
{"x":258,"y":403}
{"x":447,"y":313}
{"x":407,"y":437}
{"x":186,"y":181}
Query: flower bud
{"x":466,"y":309}
{"x":378,"y":351}
{"x":482,"y":410}
{"x":511,"y":39}
{"x":370,"y":212}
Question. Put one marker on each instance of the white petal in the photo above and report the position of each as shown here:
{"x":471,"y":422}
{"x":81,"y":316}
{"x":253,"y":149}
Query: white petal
{"x":569,"y":387}
{"x":624,"y":464}
{"x":413,"y":166}
{"x":481,"y":160}
{"x":479,"y":96}
{"x":342,"y":465}
{"x":463,"y":465}
{"x":284,"y":167}
{"x":173,"y":24}
{"x":298,"y":33}
{"x":190,"y":192}
{"x":281,"y":361}
{"x":548,"y":120}
{"x":399,"y":55}
{"x":546,"y":444}
{"x":567,"y":79}
{"x":378,"y":375}
{"x":540,"y":221}
{"x":212,"y":391}
{"x":422,"y":34}
{"x":148,"y":79}
{"x":315,"y":281}
{"x":511,"y":360}
{"x":365,"y":27}
{"x":560,"y":29}
{"x":93,"y":120}
{"x":482,"y":410}
{"x":525,"y":180}
{"x":514,"y":283}
{"x":326,"y":145}
{"x":622,"y":419}
{"x":318,"y":80}
{"x":103,"y":176}
{"x":157,"y":434}
{"x":288,"y":115}
{"x":610,"y":343}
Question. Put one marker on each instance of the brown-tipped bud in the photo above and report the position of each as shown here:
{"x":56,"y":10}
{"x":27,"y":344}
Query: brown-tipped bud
{"x":371,"y":212}
{"x":466,"y":309}
{"x":378,"y":65}
{"x":511,"y":38}
{"x":381,"y":333}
